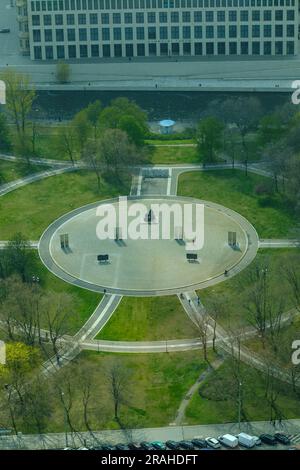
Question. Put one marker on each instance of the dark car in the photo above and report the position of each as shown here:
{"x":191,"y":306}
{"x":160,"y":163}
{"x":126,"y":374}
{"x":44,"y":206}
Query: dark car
{"x":4,"y":30}
{"x":107,"y":447}
{"x":158,"y":445}
{"x":172,"y":445}
{"x":268,"y":439}
{"x":147,"y":446}
{"x":186,"y":445}
{"x":200,"y":443}
{"x":134,"y":446}
{"x":121,"y":447}
{"x":282,"y":438}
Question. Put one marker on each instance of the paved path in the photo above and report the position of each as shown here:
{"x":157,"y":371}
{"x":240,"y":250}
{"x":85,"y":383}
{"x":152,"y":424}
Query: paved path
{"x":179,"y":420}
{"x":286,"y":243}
{"x":32,"y":244}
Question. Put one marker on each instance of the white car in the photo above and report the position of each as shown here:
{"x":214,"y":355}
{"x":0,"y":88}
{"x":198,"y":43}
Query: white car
{"x":212,"y":442}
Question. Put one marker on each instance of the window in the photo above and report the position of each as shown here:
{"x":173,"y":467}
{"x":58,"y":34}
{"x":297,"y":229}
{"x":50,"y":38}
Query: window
{"x":290,"y":30}
{"x":118,"y":50}
{"x":59,"y":34}
{"x":174,"y":32}
{"x":71,"y":34}
{"x":256,"y":15}
{"x":70,"y":19}
{"x":117,"y":34}
{"x":94,"y":34}
{"x":175,"y":48}
{"x":221,"y":31}
{"x":36,"y":35}
{"x":37,"y":51}
{"x":221,"y":48}
{"x":106,"y":50}
{"x":186,"y":16}
{"x":49,"y":52}
{"x":198,"y":32}
{"x":94,"y":50}
{"x":151,"y":32}
{"x":232,"y":15}
{"x":278,"y":30}
{"x":105,"y":34}
{"x":140,"y":18}
{"x":244,"y":15}
{"x":47,"y":20}
{"x":140,"y":33}
{"x":209,"y":48}
{"x":58,"y":20}
{"x":72,"y":52}
{"x":60,"y":51}
{"x":209,"y":32}
{"x":141,"y":50}
{"x":232,"y":48}
{"x":232,"y":31}
{"x":209,"y":16}
{"x":244,"y":31}
{"x":151,"y":18}
{"x":48,"y":35}
{"x":82,"y":34}
{"x":290,"y":15}
{"x":197,"y":16}
{"x":116,"y":18}
{"x":163,"y":17}
{"x":105,"y":18}
{"x":186,"y":32}
{"x":93,"y":18}
{"x":83,"y":50}
{"x":35,"y":20}
{"x":221,"y":16}
{"x":187,"y":48}
{"x":244,"y":48}
{"x":128,"y":18}
{"x":256,"y":30}
{"x":81,"y":19}
{"x":290,"y":48}
{"x":198,"y":48}
{"x":129,"y":34}
{"x":267,"y":30}
{"x":278,"y":15}
{"x":174,"y":17}
{"x":267,"y":48}
{"x":267,"y":15}
{"x":152,"y":49}
{"x":256,"y":48}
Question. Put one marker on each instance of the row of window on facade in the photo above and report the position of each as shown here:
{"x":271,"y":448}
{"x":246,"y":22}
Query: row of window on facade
{"x":167,"y":17}
{"x":66,"y":5}
{"x":163,"y":32}
{"x":152,"y":49}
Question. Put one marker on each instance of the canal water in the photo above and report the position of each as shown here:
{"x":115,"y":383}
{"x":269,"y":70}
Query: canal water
{"x":180,"y":106}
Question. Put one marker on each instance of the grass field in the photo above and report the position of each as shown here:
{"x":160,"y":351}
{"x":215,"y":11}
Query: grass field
{"x":10,"y":171}
{"x":156,"y":385}
{"x":148,"y":318}
{"x":84,"y":301}
{"x":173,"y":155}
{"x":217,"y":403}
{"x":32,"y":208}
{"x":271,"y":216}
{"x":234,"y":293}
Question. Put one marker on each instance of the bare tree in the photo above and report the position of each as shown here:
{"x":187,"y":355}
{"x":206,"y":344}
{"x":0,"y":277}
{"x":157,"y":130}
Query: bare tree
{"x":117,"y":379}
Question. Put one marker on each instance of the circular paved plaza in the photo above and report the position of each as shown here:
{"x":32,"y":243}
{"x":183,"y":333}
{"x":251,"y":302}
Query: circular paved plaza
{"x":156,"y":264}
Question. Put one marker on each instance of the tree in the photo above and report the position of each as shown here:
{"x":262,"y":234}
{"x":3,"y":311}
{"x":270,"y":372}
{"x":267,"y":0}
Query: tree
{"x":66,"y":142}
{"x":93,"y":112}
{"x":133,"y":129}
{"x":63,"y":72}
{"x":120,"y":107}
{"x":270,"y":129}
{"x":117,"y":152}
{"x":202,"y":323}
{"x":91,"y":155}
{"x":82,"y":130}
{"x":4,"y":133}
{"x":19,"y":99}
{"x":245,"y":114}
{"x":209,"y":138}
{"x":117,"y":379}
{"x":17,"y":258}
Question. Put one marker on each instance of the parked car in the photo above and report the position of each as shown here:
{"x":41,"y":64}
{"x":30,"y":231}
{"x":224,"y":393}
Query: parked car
{"x":200,"y":443}
{"x":268,"y":439}
{"x":228,"y":440}
{"x":158,"y":445}
{"x":257,"y":440}
{"x":134,"y":446}
{"x":147,"y":446}
{"x":121,"y":447}
{"x":4,"y":30}
{"x":282,"y":438}
{"x":212,"y":442}
{"x":107,"y":447}
{"x":246,"y":440}
{"x":172,"y":445}
{"x":186,"y":445}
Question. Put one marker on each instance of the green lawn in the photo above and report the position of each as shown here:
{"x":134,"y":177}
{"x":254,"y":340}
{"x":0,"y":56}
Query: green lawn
{"x":84,"y":301}
{"x":173,"y":155}
{"x":148,"y":318}
{"x":157,"y":384}
{"x":10,"y":171}
{"x":234,"y":293}
{"x":217,"y":403}
{"x":271,"y":216}
{"x":32,"y":208}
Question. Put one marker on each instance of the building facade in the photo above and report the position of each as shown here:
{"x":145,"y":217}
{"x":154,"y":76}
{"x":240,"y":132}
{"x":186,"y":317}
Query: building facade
{"x":82,"y":29}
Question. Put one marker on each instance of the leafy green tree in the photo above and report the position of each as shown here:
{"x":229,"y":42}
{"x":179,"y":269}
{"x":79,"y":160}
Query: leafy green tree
{"x":270,"y":129}
{"x":120,"y":107}
{"x":133,"y":129}
{"x":20,"y":95}
{"x":82,"y":128}
{"x":93,"y":112}
{"x":117,"y":152}
{"x":5,"y":143}
{"x":63,"y":72}
{"x":209,"y":138}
